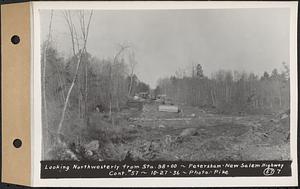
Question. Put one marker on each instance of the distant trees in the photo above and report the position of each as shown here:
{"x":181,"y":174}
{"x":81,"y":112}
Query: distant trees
{"x":199,"y":71}
{"x":266,"y":76}
{"x":230,"y":92}
{"x":157,"y":91}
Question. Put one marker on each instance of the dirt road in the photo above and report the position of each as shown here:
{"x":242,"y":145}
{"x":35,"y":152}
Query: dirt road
{"x":194,"y":134}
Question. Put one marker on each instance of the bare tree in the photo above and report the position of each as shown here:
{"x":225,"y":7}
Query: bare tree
{"x":120,"y":51}
{"x":83,"y":26}
{"x":75,"y":48}
{"x":132,"y":63}
{"x":72,"y":29}
{"x":81,"y":52}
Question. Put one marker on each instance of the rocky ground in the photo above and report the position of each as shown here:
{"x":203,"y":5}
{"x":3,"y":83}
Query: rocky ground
{"x":192,"y":134}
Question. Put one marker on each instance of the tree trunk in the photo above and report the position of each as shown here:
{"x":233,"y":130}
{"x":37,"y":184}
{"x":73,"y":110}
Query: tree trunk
{"x":68,"y":95}
{"x":110,"y":91}
{"x":213,"y":98}
{"x":130,"y":86}
{"x":79,"y":59}
{"x":86,"y":89}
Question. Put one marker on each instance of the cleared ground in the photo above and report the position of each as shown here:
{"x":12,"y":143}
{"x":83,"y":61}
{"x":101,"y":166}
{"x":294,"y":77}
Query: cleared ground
{"x":192,"y":134}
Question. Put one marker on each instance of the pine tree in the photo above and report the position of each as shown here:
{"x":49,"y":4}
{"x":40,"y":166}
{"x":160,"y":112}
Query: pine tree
{"x":199,"y":71}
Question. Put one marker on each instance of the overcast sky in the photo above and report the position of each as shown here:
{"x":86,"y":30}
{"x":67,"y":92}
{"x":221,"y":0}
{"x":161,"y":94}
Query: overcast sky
{"x":251,"y":40}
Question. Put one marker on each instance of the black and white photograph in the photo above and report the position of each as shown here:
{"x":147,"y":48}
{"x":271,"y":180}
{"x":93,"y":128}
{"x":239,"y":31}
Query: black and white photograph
{"x":178,"y":85}
{"x":165,"y":84}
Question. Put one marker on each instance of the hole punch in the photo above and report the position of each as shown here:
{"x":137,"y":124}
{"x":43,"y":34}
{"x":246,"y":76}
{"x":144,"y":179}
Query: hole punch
{"x":15,"y":39}
{"x":17,"y":143}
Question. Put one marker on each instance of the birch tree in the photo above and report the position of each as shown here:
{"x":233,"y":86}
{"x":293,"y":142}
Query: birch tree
{"x":78,"y":57}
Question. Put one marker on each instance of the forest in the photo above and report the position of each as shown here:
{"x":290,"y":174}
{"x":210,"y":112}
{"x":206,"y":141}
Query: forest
{"x":85,"y":111}
{"x":230,"y":91}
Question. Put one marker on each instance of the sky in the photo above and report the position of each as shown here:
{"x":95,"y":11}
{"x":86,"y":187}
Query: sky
{"x":164,"y":41}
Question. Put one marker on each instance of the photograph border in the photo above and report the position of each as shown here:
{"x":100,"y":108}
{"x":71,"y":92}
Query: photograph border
{"x":158,"y":181}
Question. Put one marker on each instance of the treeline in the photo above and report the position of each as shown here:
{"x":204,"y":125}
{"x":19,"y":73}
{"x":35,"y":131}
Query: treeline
{"x":104,"y":82}
{"x":230,"y":92}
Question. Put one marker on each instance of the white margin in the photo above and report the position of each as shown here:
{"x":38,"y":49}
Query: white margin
{"x":154,"y":181}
